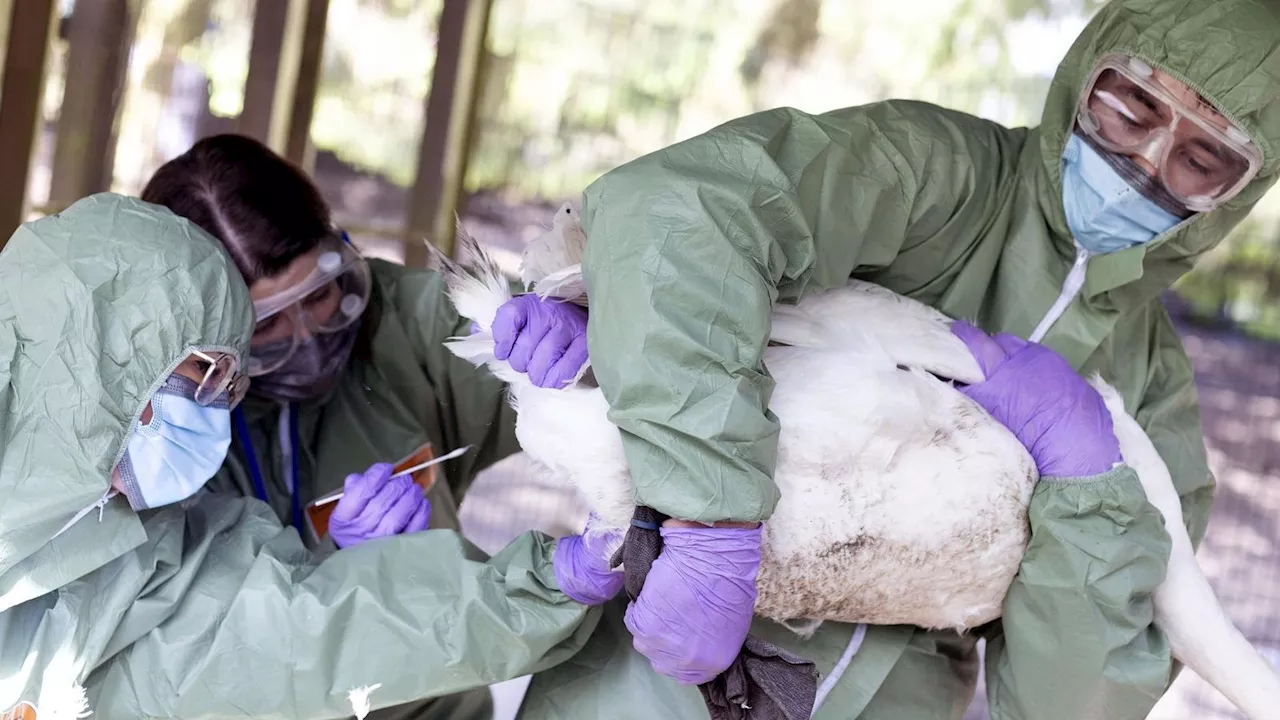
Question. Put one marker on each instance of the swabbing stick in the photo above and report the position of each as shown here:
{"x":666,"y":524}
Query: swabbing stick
{"x":337,"y":495}
{"x":447,"y":456}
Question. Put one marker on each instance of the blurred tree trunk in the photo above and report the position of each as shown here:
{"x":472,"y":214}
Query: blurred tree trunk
{"x":99,"y":35}
{"x":161,"y":77}
{"x":982,"y":22}
{"x":787,"y":36}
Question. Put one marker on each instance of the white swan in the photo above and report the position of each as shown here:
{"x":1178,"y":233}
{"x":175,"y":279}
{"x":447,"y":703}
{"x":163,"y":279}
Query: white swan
{"x":902,"y":501}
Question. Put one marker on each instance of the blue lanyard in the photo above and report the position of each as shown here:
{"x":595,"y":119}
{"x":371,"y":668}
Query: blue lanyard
{"x":255,"y":471}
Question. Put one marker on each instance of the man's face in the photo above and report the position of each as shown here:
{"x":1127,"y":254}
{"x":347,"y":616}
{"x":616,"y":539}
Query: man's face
{"x":1167,"y":132}
{"x":1185,"y":133}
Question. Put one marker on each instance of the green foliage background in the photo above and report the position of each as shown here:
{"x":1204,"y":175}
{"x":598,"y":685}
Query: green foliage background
{"x":572,"y":88}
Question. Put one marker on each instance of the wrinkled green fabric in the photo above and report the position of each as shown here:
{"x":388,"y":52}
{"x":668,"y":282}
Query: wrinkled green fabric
{"x":98,"y":304}
{"x":1083,"y":530}
{"x":690,"y":247}
{"x":901,"y":673}
{"x":209,"y":608}
{"x":408,"y":389}
{"x":279,"y":636}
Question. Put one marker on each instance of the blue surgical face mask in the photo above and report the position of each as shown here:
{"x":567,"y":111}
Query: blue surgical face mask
{"x":1105,"y":212}
{"x":172,"y":457}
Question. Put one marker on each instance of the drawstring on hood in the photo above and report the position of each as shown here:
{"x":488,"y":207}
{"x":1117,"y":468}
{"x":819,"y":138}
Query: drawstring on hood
{"x":100,"y":505}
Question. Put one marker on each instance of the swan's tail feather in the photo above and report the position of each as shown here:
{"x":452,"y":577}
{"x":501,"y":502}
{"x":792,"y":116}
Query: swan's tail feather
{"x":1199,"y":631}
{"x":478,"y":289}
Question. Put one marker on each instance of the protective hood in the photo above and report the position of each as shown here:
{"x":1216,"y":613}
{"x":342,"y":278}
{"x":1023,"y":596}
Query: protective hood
{"x":1228,"y":50}
{"x":97,"y":305}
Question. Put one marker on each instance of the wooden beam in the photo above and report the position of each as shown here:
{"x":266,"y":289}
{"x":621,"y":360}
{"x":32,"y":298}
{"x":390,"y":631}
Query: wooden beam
{"x":297,"y":140}
{"x":265,"y":60}
{"x":284,"y":71}
{"x":99,"y":36}
{"x":6,"y":14}
{"x":31,"y":25}
{"x":449,"y":117}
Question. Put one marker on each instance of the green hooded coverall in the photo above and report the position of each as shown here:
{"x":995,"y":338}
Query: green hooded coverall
{"x":400,"y":389}
{"x":209,"y":608}
{"x":690,"y":248}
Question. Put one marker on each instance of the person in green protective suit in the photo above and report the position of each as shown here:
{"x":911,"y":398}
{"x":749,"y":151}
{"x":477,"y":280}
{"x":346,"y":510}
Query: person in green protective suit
{"x":348,"y":365}
{"x":183,"y":602}
{"x":1160,"y":132}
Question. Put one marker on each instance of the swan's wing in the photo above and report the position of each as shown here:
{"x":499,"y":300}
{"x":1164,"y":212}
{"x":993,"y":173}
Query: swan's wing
{"x":566,"y":285}
{"x":912,"y":333}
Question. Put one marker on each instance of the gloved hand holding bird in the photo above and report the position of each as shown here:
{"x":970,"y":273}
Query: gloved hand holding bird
{"x":909,"y":452}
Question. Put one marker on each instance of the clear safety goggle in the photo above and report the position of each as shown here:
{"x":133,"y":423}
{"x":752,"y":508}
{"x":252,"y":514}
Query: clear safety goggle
{"x":1201,"y":162}
{"x":329,"y":299}
{"x":222,"y":373}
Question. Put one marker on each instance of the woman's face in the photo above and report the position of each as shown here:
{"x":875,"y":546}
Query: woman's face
{"x":306,"y":318}
{"x":320,"y":304}
{"x":194,"y":369}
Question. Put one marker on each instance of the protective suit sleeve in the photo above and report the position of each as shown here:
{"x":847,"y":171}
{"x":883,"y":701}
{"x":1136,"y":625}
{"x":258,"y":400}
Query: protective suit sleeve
{"x":690,"y":247}
{"x":238,"y":621}
{"x":473,"y":403}
{"x":1078,"y":637}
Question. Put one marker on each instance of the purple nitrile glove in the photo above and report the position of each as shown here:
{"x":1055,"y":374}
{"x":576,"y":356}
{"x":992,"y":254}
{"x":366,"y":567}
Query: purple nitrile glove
{"x":1033,"y":391}
{"x":581,"y":564}
{"x":374,"y":505}
{"x":544,"y":338}
{"x":694,"y":612}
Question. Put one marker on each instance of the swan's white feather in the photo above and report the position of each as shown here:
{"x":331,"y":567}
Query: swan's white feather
{"x":555,"y":249}
{"x":912,"y":332}
{"x":903,"y":502}
{"x":566,"y":284}
{"x":1199,"y":631}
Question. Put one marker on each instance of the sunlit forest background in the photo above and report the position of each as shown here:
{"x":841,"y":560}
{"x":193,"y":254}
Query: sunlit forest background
{"x":572,"y":88}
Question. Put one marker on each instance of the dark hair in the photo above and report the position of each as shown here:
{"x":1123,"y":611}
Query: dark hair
{"x":265,"y":210}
